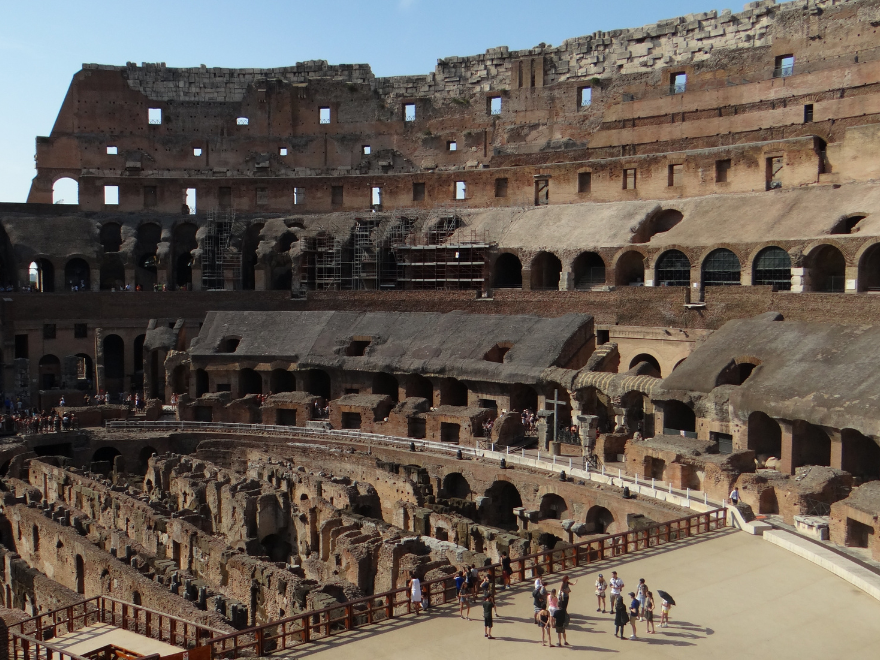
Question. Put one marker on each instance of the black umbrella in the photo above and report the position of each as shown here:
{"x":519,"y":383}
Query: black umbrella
{"x":665,"y":596}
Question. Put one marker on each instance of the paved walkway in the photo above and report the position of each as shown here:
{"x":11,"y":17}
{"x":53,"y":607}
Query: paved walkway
{"x":99,"y":635}
{"x":738,"y":596}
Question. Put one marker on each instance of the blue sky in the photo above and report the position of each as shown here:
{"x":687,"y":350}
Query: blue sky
{"x":42,"y":44}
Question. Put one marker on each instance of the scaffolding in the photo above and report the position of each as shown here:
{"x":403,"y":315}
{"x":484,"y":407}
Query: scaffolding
{"x":221,"y":261}
{"x":385,"y":254}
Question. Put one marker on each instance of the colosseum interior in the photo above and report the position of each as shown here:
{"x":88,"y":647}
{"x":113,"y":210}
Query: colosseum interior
{"x":309,"y":332}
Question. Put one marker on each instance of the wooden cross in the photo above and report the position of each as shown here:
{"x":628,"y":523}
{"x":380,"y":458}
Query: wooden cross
{"x":556,"y":403}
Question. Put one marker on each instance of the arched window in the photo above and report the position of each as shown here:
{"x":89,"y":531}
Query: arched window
{"x":772,"y":267}
{"x":65,"y":191}
{"x":77,"y":275}
{"x":630,"y":269}
{"x":721,"y":268}
{"x":41,"y":274}
{"x":111,"y":236}
{"x":673,"y":269}
{"x":827,"y":269}
{"x":508,"y":272}
{"x":589,"y":270}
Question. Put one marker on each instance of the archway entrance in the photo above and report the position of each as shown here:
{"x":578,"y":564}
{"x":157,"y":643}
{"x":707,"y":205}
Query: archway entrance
{"x":599,"y":520}
{"x":552,"y":507}
{"x":249,"y":382}
{"x":41,"y":274}
{"x":65,"y":191}
{"x":588,"y":270}
{"x":504,"y":498}
{"x":765,"y":436}
{"x":50,"y":372}
{"x":630,"y":269}
{"x":508,"y":272}
{"x":455,"y":485}
{"x":114,"y":363}
{"x":77,"y":275}
{"x":678,"y":417}
{"x":650,"y":360}
{"x":827,"y":267}
{"x":545,"y":272}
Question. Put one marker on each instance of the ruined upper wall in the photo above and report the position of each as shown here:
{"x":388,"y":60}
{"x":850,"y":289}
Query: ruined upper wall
{"x":684,"y":40}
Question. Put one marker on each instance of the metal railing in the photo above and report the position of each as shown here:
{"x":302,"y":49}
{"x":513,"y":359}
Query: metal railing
{"x":580,"y":469}
{"x":320,"y":624}
{"x":103,"y":609}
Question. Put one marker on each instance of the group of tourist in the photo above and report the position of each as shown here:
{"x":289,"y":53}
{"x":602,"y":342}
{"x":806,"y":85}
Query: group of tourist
{"x":529,"y":421}
{"x":550,"y":606}
{"x":35,"y":421}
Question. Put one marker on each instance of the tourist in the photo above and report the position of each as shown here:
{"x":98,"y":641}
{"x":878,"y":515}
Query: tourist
{"x":664,"y":612}
{"x":734,"y":496}
{"x":562,"y":618}
{"x":621,"y":618}
{"x":539,"y":597}
{"x":566,"y":585}
{"x":415,"y":587}
{"x":486,"y":585}
{"x":506,"y":570}
{"x":649,"y":613}
{"x":552,"y":606}
{"x":464,"y":600}
{"x":469,"y":585}
{"x":642,"y":596}
{"x":633,"y":613}
{"x":459,"y":582}
{"x":475,"y":578}
{"x":601,"y":586}
{"x":542,"y":617}
{"x":488,"y":606}
{"x":617,"y":586}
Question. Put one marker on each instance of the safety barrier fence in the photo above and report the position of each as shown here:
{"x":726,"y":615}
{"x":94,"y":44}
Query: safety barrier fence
{"x":321,"y":624}
{"x":651,"y":488}
{"x":30,"y":637}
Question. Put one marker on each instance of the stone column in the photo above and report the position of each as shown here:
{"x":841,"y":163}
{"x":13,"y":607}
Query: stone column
{"x":800,"y":280}
{"x":526,"y":279}
{"x":851,"y":277}
{"x":786,"y":462}
{"x":545,"y":431}
{"x":566,"y":281}
{"x":261,"y":277}
{"x":587,"y":429}
{"x":838,"y":450}
{"x":95,"y":279}
{"x":649,"y":276}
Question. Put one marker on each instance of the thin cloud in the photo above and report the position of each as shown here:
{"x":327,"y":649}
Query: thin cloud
{"x":405,"y":5}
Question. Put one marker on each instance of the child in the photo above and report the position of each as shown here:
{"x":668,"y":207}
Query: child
{"x":488,"y":606}
{"x":664,"y":613}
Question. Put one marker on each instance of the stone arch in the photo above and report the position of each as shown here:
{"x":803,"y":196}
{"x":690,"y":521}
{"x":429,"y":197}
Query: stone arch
{"x":507,"y":272}
{"x":764,"y":436}
{"x":114,"y":363}
{"x":8,"y":261}
{"x":88,"y":368}
{"x":385,"y":383}
{"x":860,"y":455}
{"x":826,"y":265}
{"x":772,"y":266}
{"x":672,"y":268}
{"x":249,"y":382}
{"x":678,"y":416}
{"x":112,"y":273}
{"x":504,"y":497}
{"x":111,"y":237}
{"x":453,"y":392}
{"x":629,"y":268}
{"x":50,"y":372}
{"x":552,"y":507}
{"x":655,"y":370}
{"x":282,"y":380}
{"x":737,"y":371}
{"x":523,"y":397}
{"x":149,"y":235}
{"x":249,"y":243}
{"x":41,"y":275}
{"x":848,"y":224}
{"x":144,"y":456}
{"x":319,"y":383}
{"x":868,"y":260}
{"x":276,"y":548}
{"x":180,"y":379}
{"x":656,"y":223}
{"x":588,"y":270}
{"x":811,"y":445}
{"x":721,"y":267}
{"x":545,"y":269}
{"x":65,"y":190}
{"x":183,"y":242}
{"x":105,"y":455}
{"x":202,"y":382}
{"x":419,"y":386}
{"x":599,"y":520}
{"x":77,"y":273}
{"x":456,"y":485}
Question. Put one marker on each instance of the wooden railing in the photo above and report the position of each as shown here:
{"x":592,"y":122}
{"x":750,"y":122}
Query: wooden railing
{"x":23,"y":647}
{"x":103,"y":609}
{"x":318,"y":624}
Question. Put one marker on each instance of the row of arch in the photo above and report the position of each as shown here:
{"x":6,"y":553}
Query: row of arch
{"x":772,"y":266}
{"x":113,"y":347}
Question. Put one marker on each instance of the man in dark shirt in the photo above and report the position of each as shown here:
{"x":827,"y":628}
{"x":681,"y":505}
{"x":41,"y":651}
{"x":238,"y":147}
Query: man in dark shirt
{"x":488,"y":606}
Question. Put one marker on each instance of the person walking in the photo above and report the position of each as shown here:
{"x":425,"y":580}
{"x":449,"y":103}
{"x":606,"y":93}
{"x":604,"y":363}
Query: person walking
{"x":506,"y":571}
{"x":617,"y":586}
{"x":734,"y":496}
{"x":642,"y":597}
{"x":488,"y":606}
{"x":601,"y":586}
{"x":621,"y":618}
{"x":562,"y":619}
{"x":633,"y":613}
{"x":649,"y":614}
{"x":415,"y":590}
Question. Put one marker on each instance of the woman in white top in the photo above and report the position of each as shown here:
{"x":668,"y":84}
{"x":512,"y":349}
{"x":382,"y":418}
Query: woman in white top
{"x":415,"y":590}
{"x":601,"y":586}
